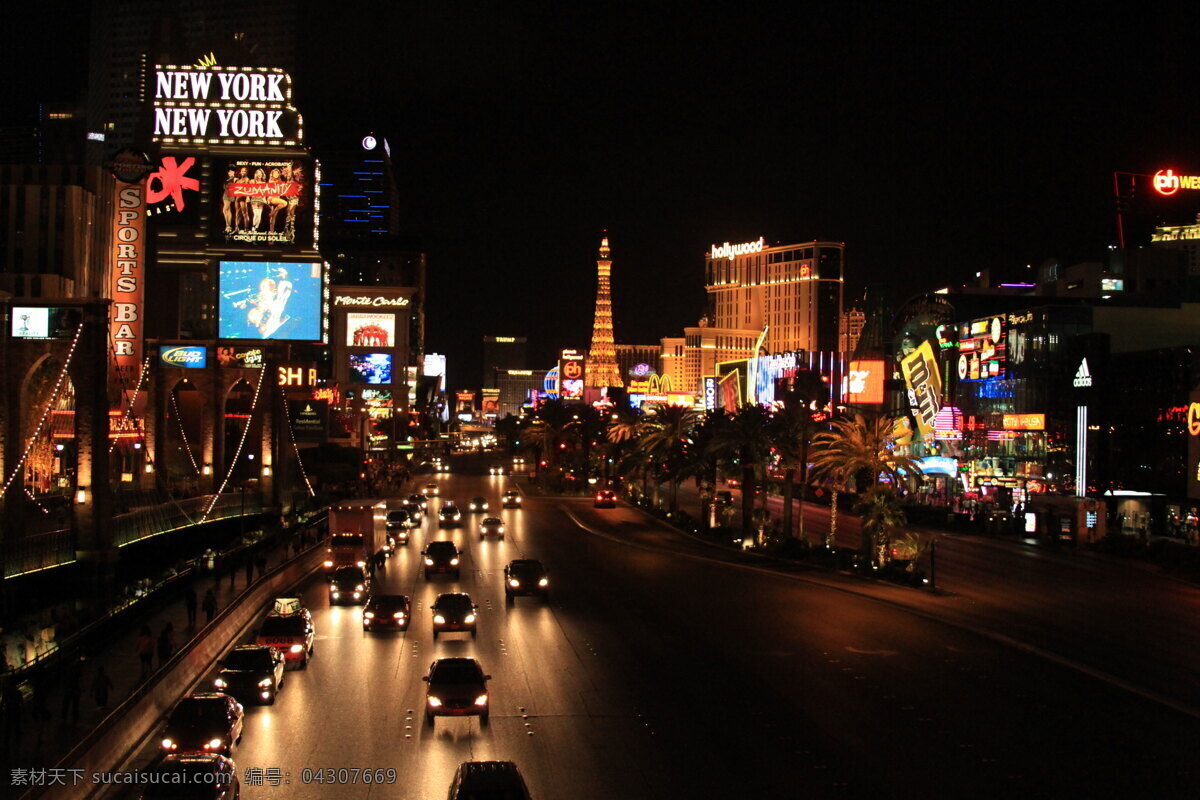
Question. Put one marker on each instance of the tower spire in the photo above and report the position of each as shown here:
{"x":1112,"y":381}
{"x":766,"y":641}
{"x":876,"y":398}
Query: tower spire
{"x":601,"y":361}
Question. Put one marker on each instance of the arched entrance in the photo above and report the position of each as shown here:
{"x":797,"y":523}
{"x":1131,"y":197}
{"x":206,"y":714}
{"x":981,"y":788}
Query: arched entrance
{"x":183,"y":451}
{"x":240,"y":414}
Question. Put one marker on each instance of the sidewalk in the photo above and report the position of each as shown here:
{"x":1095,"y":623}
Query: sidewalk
{"x":49,"y":724}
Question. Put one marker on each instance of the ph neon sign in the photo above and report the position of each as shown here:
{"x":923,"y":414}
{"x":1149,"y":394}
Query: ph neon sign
{"x":1167,"y":183}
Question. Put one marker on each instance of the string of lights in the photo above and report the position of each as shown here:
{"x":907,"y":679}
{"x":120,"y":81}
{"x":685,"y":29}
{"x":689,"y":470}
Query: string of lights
{"x":132,"y":398}
{"x":287,"y":415}
{"x":45,"y":414}
{"x":183,"y":434}
{"x":241,"y":444}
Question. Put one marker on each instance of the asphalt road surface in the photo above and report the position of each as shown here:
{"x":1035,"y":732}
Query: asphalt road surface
{"x":656,"y":674}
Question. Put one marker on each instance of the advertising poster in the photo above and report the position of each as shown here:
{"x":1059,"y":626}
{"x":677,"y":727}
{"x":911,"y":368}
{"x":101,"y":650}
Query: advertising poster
{"x":373,"y":368}
{"x":864,"y":383}
{"x":571,"y":367}
{"x":269,"y":300}
{"x":310,"y":419}
{"x":924,"y":387}
{"x":189,"y":357}
{"x":263,"y":202}
{"x":491,"y":402}
{"x":370,"y":330}
{"x":30,"y":323}
{"x":241,"y":357}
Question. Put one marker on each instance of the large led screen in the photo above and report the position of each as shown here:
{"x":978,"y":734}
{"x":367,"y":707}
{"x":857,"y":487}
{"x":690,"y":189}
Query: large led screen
{"x":375,"y":368}
{"x":263,"y":202}
{"x":269,"y":300}
{"x":370,"y":330}
{"x":44,"y":323}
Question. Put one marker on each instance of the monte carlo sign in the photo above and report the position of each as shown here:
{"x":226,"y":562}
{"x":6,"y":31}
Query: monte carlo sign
{"x":225,"y":105}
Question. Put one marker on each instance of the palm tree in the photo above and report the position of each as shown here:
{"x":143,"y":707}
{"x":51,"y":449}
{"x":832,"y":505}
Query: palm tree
{"x":746,"y":441}
{"x":550,"y":430}
{"x":666,"y":437}
{"x":792,"y":429}
{"x":879,"y":510}
{"x":858,"y":447}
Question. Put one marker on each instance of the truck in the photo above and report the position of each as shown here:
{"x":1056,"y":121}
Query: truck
{"x":357,"y":533}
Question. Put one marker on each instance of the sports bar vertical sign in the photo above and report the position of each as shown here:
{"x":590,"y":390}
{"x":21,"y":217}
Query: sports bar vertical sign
{"x":128,"y":282}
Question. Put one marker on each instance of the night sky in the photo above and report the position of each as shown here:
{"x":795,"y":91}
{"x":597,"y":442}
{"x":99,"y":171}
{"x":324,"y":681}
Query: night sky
{"x":934,"y":144}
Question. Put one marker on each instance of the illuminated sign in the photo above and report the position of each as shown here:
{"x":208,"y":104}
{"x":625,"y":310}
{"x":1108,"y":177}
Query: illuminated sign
{"x":375,"y":368}
{"x":241,"y":357}
{"x":730,"y":251}
{"x":948,"y":424}
{"x":270,"y":300}
{"x":982,"y":349}
{"x":1112,"y":284}
{"x":571,"y":367}
{"x":924,"y":386}
{"x":435,"y":365}
{"x":128,"y":281}
{"x":490,"y":406}
{"x":938,"y":465}
{"x":262,"y":201}
{"x":370,"y":330}
{"x":170,"y":181}
{"x":1167,"y":183}
{"x":369,"y":142}
{"x":298,"y":375}
{"x":1083,"y":376}
{"x":641,"y":370}
{"x":864,"y":382}
{"x":1024,"y":422}
{"x":224,"y":105}
{"x":309,"y":418}
{"x":1174,"y":233}
{"x":350,"y":300}
{"x":1193,"y":419}
{"x":192,"y":357}
{"x":504,"y":339}
{"x":520,"y":372}
{"x":710,"y":393}
{"x":327,"y":393}
{"x":44,"y":323}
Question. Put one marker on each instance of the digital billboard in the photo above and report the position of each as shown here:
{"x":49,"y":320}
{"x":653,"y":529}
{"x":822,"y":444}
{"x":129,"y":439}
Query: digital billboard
{"x":241,"y":357}
{"x":571,"y":367}
{"x":44,"y":323}
{"x":982,"y":351}
{"x":263,"y":201}
{"x":373,"y":368}
{"x":370,"y":330}
{"x":924,"y":387}
{"x":864,"y":382}
{"x":269,"y":300}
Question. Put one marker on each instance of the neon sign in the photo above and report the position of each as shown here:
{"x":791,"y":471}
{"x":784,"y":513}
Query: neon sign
{"x":172,"y":179}
{"x":1193,"y":419}
{"x":1167,"y":183}
{"x":729,"y":251}
{"x":225,"y":105}
{"x":346,"y":300}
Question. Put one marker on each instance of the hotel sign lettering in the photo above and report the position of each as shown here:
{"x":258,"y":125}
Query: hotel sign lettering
{"x":392,"y":302}
{"x":224,"y":105}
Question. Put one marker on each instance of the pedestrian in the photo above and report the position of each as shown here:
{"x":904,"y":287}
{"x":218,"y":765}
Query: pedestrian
{"x":232,"y":570}
{"x":166,"y":643}
{"x":145,"y":650}
{"x":210,"y":605}
{"x":249,"y":570}
{"x":189,"y":601}
{"x":72,"y":690}
{"x":260,"y":564}
{"x":10,"y":701}
{"x":101,"y":686}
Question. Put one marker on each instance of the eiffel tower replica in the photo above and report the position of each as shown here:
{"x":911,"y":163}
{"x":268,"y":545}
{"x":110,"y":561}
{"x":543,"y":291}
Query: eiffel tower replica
{"x":601,"y":370}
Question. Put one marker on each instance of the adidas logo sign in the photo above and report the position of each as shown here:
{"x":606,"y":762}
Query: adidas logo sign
{"x":1083,"y":376}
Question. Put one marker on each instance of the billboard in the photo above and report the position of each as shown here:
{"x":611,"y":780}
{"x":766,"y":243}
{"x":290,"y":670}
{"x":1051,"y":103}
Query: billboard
{"x":224,"y":105}
{"x":241,"y":357}
{"x":924,"y":387}
{"x":269,"y":300}
{"x":128,"y":281}
{"x":491,"y":403}
{"x":174,"y":188}
{"x":44,"y":323}
{"x":370,"y":330}
{"x":310,"y":419}
{"x":571,"y":375}
{"x":982,"y":351}
{"x":262,"y":201}
{"x":864,"y":383}
{"x":373,"y":368}
{"x":192,"y":357}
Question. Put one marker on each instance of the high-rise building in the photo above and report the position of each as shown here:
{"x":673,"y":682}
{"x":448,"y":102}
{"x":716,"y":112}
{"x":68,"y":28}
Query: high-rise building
{"x":632,"y":356}
{"x":501,"y":353}
{"x":696,"y":354}
{"x":601,"y":370}
{"x":359,"y":194}
{"x":794,"y":290}
{"x":853,"y":320}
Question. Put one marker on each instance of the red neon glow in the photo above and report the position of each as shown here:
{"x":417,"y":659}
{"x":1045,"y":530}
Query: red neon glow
{"x":1166,"y":182}
{"x":172,"y":180}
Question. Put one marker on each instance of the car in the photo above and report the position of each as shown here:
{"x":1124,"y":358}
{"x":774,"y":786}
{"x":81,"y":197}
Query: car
{"x":453,"y":611}
{"x":442,"y":466}
{"x":291,"y":632}
{"x":387,"y":612}
{"x":526,"y":576}
{"x":252,"y":673}
{"x":449,"y":515}
{"x":399,"y":522}
{"x":606,"y":498}
{"x":477,"y":505}
{"x":475,"y":779}
{"x":431,"y":490}
{"x":723,"y":498}
{"x":442,"y":557}
{"x":492,"y":525}
{"x":349,"y":585}
{"x":497,"y":469}
{"x":457,"y":687}
{"x":518,"y":461}
{"x":511,"y":499}
{"x":210,"y":722}
{"x":416,"y":511}
{"x":419,"y":500}
{"x":193,"y":776}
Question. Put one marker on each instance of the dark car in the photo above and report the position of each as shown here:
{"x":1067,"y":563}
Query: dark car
{"x":398,"y":523}
{"x":431,"y":490}
{"x":488,"y":779}
{"x":453,"y":611}
{"x":204,"y":723}
{"x":349,"y":585}
{"x":477,"y":505}
{"x":442,"y":557}
{"x":387,"y":612}
{"x":492,"y":525}
{"x":420,"y":501}
{"x":526,"y":576}
{"x":292,"y":633}
{"x":497,"y":469}
{"x":457,"y":687}
{"x":723,"y":498}
{"x":193,"y":776}
{"x":252,"y":673}
{"x":606,"y":498}
{"x":511,"y":499}
{"x":449,"y":515}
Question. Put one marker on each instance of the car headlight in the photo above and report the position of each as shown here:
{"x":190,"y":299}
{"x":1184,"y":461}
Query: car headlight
{"x":429,"y":562}
{"x":329,"y":563}
{"x":357,"y":595}
{"x":220,"y":683}
{"x":334,"y":594}
{"x":439,"y":619}
{"x":544,"y":582}
{"x":500,"y":529}
{"x":369,"y":615}
{"x":469,"y":618}
{"x":213,"y":744}
{"x":399,"y":615}
{"x":361,"y":563}
{"x":264,"y":683}
{"x":358,"y":588}
{"x":481,"y":700}
{"x":296,"y":648}
{"x":168,"y":744}
{"x":435,"y":701}
{"x":513,"y":582}
{"x":454,"y":562}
